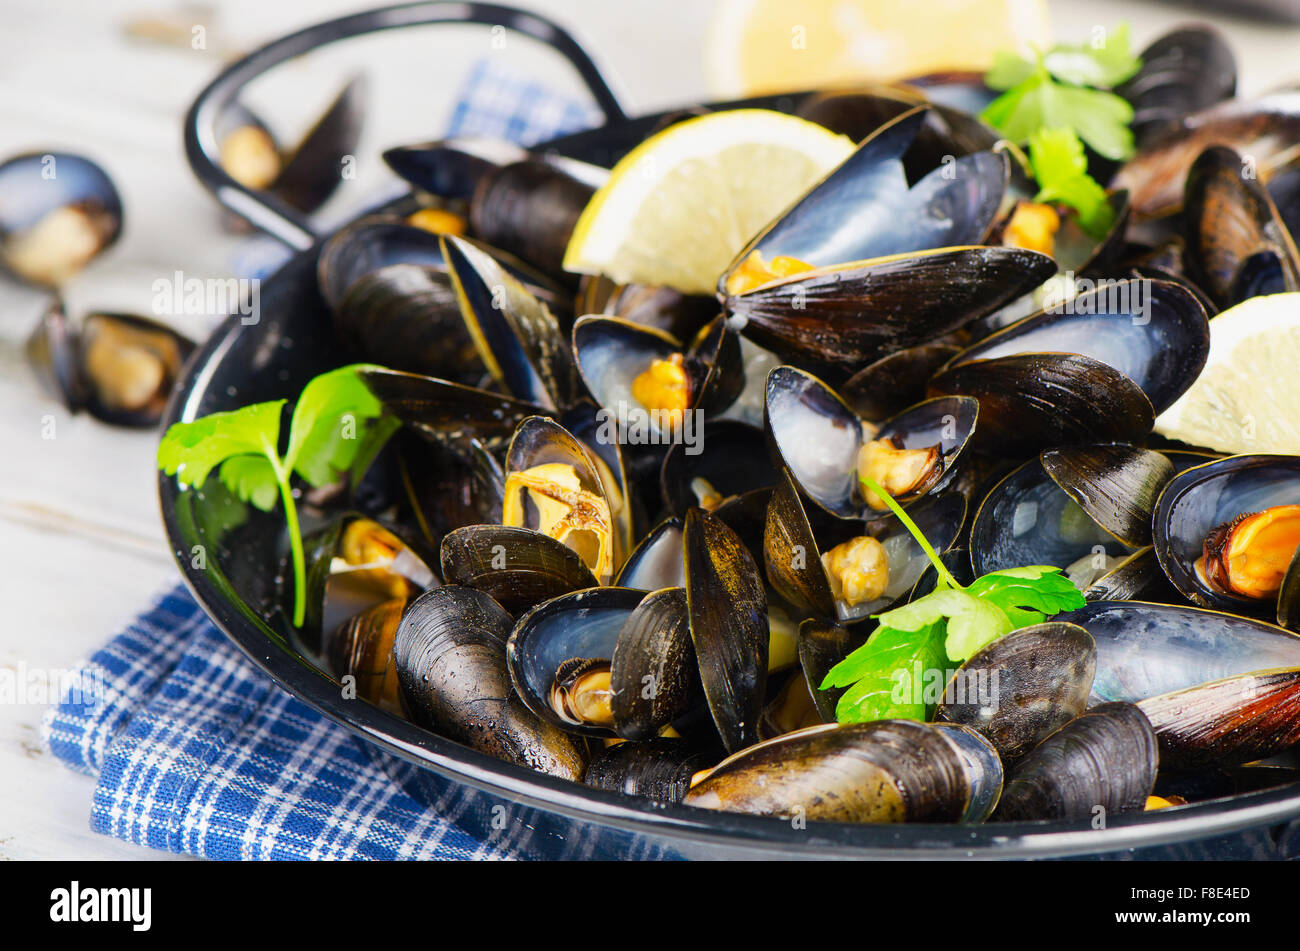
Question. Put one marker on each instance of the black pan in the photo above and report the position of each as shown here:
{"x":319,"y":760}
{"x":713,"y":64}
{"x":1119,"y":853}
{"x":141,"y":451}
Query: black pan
{"x":293,"y":341}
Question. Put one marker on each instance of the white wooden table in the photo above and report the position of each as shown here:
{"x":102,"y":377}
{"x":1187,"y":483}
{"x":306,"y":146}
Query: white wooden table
{"x":81,"y":547}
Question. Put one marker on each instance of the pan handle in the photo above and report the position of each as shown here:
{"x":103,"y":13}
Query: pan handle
{"x":269,"y":213}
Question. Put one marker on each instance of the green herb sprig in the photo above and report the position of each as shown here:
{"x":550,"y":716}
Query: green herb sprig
{"x":1054,"y":104}
{"x":337,"y":427}
{"x":948,"y":625}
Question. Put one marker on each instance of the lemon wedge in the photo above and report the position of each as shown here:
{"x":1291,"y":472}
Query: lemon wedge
{"x":766,"y":46}
{"x":679,"y":207}
{"x":1247,"y":399}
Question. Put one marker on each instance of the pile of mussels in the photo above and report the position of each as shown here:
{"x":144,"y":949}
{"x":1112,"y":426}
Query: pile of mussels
{"x":655,"y":616}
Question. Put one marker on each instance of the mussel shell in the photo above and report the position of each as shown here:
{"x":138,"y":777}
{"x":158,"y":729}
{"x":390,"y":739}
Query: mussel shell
{"x":822,"y":645}
{"x":1183,"y":71}
{"x":1200,"y":499}
{"x":818,"y":437}
{"x":865,"y":207}
{"x":897,"y":381}
{"x":837,"y":319}
{"x":1227,"y":722}
{"x":654,"y":675}
{"x":1137,"y":577}
{"x":728,"y":625}
{"x":447,"y":486}
{"x":656,"y":562}
{"x":529,"y":208}
{"x":582,"y":624}
{"x":1145,"y":649}
{"x":517,"y":336}
{"x":405,"y":317}
{"x":1034,"y":401}
{"x":884,"y":771}
{"x":983,"y":767}
{"x":518,"y":567}
{"x":362,"y":648}
{"x":658,"y":768}
{"x":448,"y":412}
{"x":37,"y":186}
{"x":1155,"y":333}
{"x":1027,"y":519}
{"x":1264,"y":128}
{"x":451,"y":168}
{"x":450,"y":655}
{"x":730,"y":456}
{"x":1039,"y":678}
{"x":315,"y":168}
{"x":663,"y":308}
{"x":1116,"y":485}
{"x":1102,"y":763}
{"x":1235,"y":235}
{"x":53,"y":353}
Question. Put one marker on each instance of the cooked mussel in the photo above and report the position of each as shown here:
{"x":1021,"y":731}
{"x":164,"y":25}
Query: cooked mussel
{"x":1182,"y":72}
{"x":450,"y":657}
{"x":1100,"y":764}
{"x":849,"y":570}
{"x":451,"y":168}
{"x":57,"y":211}
{"x":1226,"y":532}
{"x":884,"y":771}
{"x":827,"y":447}
{"x":519,"y":567}
{"x":362,"y":648}
{"x":659,"y":768}
{"x":530,"y":208}
{"x":1035,"y":681}
{"x":120,"y":368}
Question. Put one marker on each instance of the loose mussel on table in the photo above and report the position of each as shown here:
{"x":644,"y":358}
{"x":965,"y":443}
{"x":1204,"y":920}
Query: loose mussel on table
{"x":657,"y":618}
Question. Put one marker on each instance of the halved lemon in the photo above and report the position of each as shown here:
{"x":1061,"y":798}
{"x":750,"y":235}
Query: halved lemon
{"x":679,"y":207}
{"x":1247,"y":399}
{"x":764,"y":46}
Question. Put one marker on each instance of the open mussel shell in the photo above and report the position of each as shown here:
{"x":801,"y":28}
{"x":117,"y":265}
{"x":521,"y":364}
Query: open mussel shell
{"x":314,"y":169}
{"x":884,"y":771}
{"x":1034,"y":401}
{"x":1265,"y":128}
{"x":1227,"y":722}
{"x":1145,"y":650}
{"x":119,"y":367}
{"x":354,"y":563}
{"x":555,"y":483}
{"x":658,"y":768}
{"x":822,"y":645}
{"x":1116,"y":485}
{"x":57,"y":212}
{"x":1153,"y":332}
{"x":1101,"y":763}
{"x":895,"y":382}
{"x":448,"y":412}
{"x":518,"y":567}
{"x":1182,"y":72}
{"x":791,"y":708}
{"x":866,"y":208}
{"x":802,"y":565}
{"x":728,"y":625}
{"x":450,"y":656}
{"x":1225,"y":498}
{"x":517,"y":336}
{"x":654,"y":675}
{"x":820,"y":438}
{"x":656,"y":562}
{"x":1237,"y":244}
{"x":663,"y":308}
{"x":1023,"y":686}
{"x":362,"y":648}
{"x":728,"y":459}
{"x":1028,"y":519}
{"x":1137,"y":577}
{"x":837,"y":319}
{"x":451,"y":168}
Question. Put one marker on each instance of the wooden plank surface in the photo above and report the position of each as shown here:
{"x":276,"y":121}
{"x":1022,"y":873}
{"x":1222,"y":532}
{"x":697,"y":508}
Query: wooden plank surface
{"x":81,"y":547}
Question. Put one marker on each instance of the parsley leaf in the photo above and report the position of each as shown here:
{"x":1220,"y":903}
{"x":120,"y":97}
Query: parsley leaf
{"x":1103,"y":64}
{"x":948,"y":625}
{"x":337,"y":425}
{"x":1061,"y":169}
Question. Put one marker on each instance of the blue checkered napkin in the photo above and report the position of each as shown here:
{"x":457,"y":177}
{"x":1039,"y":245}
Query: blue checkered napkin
{"x":199,"y":752}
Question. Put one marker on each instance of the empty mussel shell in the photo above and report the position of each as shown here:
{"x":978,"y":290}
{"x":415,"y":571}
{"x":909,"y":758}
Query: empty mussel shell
{"x":57,"y":212}
{"x":1116,"y":485}
{"x":884,"y":771}
{"x":657,"y":561}
{"x":1023,"y":686}
{"x":1100,"y":764}
{"x":450,"y":656}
